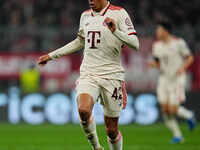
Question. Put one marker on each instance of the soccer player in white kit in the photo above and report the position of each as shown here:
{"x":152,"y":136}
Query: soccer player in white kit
{"x":103,"y":30}
{"x":172,"y":57}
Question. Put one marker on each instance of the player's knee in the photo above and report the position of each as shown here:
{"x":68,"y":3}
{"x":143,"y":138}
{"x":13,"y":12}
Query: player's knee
{"x":173,"y":110}
{"x":85,"y":105}
{"x":112,"y":132}
{"x":84,"y":114}
{"x":164,"y":109}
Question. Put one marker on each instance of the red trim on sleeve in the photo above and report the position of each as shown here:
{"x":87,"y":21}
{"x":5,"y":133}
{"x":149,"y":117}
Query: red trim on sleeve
{"x":133,"y":33}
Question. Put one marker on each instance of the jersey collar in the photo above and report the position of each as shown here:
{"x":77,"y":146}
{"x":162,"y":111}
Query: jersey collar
{"x":102,"y":12}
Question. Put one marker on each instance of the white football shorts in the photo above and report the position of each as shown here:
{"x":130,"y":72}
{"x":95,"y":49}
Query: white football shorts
{"x":112,"y":93}
{"x":171,"y":92}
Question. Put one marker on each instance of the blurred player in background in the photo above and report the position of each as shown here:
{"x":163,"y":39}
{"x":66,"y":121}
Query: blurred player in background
{"x":104,"y":29}
{"x":172,"y":57}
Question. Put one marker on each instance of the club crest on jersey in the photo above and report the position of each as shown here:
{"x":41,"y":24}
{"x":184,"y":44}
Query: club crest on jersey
{"x":128,"y":22}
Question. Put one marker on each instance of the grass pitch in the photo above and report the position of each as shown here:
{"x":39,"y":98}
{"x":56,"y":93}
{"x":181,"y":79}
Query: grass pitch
{"x":71,"y":137}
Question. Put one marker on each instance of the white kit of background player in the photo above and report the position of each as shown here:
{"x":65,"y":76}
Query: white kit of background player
{"x":172,"y":57}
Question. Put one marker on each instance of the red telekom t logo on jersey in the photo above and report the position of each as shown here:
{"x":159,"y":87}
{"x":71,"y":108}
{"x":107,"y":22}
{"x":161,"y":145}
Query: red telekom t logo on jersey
{"x":92,"y":39}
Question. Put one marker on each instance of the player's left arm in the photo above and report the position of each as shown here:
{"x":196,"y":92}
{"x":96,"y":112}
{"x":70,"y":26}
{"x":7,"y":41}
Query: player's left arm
{"x":126,"y":32}
{"x":186,"y":54}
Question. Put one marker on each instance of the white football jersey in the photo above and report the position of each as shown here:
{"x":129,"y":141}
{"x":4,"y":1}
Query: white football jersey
{"x":171,"y":56}
{"x":102,"y":48}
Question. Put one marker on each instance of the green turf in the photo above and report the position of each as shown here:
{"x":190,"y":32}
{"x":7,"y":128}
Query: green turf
{"x":70,"y":137}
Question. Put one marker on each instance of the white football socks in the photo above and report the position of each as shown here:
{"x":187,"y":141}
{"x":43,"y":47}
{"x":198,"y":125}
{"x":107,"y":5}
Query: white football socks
{"x":90,"y":131}
{"x":172,"y":124}
{"x":184,"y":113}
{"x":117,"y":143}
{"x":175,"y":128}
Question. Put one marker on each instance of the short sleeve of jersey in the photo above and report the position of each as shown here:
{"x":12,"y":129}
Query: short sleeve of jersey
{"x":125,"y":23}
{"x":183,"y":48}
{"x":81,"y":29}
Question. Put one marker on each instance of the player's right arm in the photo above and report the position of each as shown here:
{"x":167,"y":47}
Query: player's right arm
{"x":71,"y":47}
{"x":155,"y":62}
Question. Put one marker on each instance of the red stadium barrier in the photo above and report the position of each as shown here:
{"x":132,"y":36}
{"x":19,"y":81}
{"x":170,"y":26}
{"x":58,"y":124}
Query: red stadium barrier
{"x":139,"y":77}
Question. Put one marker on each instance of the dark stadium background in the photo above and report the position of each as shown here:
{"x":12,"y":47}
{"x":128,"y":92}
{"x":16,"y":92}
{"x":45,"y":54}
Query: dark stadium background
{"x":30,"y":28}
